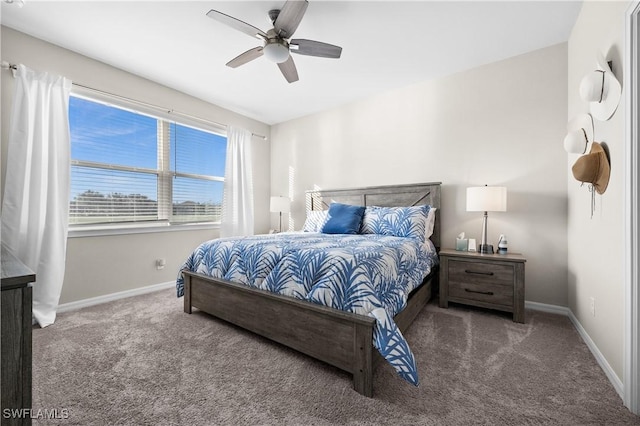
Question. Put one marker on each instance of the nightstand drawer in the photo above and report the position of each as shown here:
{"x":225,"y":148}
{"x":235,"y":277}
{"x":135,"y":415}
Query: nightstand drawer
{"x":480,"y":273}
{"x":495,"y":294}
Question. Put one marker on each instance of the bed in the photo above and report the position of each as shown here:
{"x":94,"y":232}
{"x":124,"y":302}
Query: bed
{"x":342,"y":339}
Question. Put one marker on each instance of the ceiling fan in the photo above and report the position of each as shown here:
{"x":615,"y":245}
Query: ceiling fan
{"x":277,"y":41}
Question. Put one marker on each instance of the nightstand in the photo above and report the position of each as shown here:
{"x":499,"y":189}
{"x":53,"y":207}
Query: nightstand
{"x":494,"y":281}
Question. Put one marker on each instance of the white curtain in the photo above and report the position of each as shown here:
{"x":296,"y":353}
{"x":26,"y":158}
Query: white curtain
{"x":35,"y":207}
{"x":237,"y":204}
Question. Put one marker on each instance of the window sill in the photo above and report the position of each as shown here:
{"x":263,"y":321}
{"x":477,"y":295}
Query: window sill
{"x":109,"y":230}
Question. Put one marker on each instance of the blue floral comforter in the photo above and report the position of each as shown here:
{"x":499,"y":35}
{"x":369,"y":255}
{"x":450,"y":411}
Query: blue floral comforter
{"x":370,"y":274}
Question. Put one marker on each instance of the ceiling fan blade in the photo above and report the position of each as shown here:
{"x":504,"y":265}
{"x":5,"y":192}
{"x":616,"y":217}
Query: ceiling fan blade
{"x":314,"y":48}
{"x":289,"y":70}
{"x":289,"y":18}
{"x":245,"y":57}
{"x":237,"y":24}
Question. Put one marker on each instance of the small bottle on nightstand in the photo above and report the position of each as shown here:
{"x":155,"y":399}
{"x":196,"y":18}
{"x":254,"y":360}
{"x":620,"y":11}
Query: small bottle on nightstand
{"x":502,"y":244}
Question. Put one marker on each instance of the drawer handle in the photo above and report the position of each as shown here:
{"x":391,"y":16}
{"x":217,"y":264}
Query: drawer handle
{"x":488,"y":293}
{"x":469,"y":271}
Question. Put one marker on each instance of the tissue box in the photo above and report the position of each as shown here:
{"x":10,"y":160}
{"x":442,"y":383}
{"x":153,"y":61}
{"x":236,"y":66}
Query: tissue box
{"x":462,"y":244}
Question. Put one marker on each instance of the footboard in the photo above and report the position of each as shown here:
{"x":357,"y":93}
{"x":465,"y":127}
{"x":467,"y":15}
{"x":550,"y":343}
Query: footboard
{"x":342,"y":339}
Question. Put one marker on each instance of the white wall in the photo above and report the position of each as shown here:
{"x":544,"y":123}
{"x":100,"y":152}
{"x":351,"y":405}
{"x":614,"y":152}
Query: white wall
{"x":98,"y":266}
{"x":499,"y":124}
{"x":596,"y":245}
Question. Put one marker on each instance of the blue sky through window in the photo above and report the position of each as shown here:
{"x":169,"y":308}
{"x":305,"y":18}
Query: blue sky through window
{"x":106,"y":134}
{"x":110,"y":135}
{"x":196,"y":151}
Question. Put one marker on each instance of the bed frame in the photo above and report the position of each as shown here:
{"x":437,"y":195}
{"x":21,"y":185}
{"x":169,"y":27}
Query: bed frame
{"x":342,"y":339}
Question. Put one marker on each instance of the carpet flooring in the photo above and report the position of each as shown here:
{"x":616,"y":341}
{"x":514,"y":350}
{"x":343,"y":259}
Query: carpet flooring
{"x":143,"y":361}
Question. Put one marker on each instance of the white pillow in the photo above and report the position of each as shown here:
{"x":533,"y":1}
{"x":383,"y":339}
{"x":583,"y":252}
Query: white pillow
{"x":315,"y":220}
{"x":431,"y":219}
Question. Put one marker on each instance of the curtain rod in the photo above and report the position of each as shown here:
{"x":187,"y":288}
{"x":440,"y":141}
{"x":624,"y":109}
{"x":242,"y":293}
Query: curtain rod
{"x":14,"y":67}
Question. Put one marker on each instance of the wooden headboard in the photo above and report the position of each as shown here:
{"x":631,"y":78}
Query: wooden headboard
{"x":383,"y":196}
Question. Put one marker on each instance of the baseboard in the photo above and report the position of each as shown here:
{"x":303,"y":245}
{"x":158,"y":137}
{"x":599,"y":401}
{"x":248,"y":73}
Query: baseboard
{"x":602,"y":361}
{"x":613,"y":377}
{"x":79,"y":304}
{"x":543,"y":307}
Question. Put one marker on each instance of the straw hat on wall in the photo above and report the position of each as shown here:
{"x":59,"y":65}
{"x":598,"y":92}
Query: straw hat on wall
{"x":593,"y":168}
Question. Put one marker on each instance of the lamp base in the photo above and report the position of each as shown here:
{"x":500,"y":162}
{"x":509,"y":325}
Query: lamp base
{"x":486,"y":248}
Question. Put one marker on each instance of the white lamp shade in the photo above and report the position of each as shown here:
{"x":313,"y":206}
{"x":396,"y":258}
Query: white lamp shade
{"x":280,"y":205}
{"x":487,"y":199}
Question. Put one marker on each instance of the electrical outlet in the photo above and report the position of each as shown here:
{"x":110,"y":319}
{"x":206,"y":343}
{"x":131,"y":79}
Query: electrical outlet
{"x":160,"y":263}
{"x":592,"y":306}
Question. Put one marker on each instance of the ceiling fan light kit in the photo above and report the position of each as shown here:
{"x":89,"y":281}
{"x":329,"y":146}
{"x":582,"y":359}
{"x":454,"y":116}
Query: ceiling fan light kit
{"x":277,"y":44}
{"x":276,"y":52}
{"x":276,"y":49}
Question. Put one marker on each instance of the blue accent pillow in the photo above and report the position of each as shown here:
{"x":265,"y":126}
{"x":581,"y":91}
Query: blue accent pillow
{"x":408,"y":222}
{"x":343,"y":219}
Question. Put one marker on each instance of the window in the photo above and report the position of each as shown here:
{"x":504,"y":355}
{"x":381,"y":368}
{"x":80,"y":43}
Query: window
{"x":197,"y":165}
{"x":127,"y":166}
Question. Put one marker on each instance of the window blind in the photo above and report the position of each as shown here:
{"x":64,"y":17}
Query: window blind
{"x":197,"y":163}
{"x":131,"y":167}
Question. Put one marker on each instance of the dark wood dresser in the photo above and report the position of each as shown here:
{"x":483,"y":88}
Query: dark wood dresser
{"x":494,"y":281}
{"x":16,"y":338}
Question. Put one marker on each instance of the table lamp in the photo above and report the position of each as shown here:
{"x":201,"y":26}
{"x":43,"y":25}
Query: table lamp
{"x":280,"y":205}
{"x":486,"y":199}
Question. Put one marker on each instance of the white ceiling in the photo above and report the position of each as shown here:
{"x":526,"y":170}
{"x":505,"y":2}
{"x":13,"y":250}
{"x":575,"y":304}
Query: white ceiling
{"x":386,"y":44}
